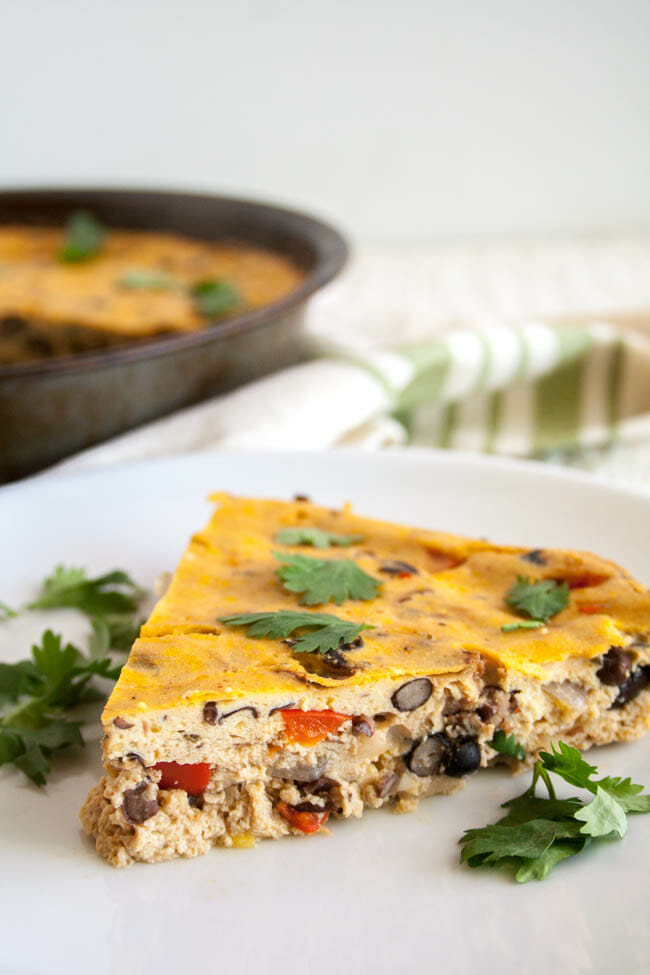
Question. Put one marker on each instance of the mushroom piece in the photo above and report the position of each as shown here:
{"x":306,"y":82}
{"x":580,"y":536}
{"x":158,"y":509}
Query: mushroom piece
{"x":427,"y":757}
{"x":300,"y":771}
{"x":413,"y":694}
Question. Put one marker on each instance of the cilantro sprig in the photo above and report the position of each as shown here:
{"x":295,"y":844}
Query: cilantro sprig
{"x":314,"y":632}
{"x":316,"y":537}
{"x":112,"y":593}
{"x":37,"y":696}
{"x":40,"y":694}
{"x":148,"y":279}
{"x":322,"y":580}
{"x":84,"y":236}
{"x":537,"y":832}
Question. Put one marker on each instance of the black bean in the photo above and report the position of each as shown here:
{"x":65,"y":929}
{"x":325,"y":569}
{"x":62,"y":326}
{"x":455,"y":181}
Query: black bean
{"x":210,"y":713}
{"x":136,"y":808}
{"x":428,"y":755}
{"x":616,"y":667}
{"x":363,"y":726}
{"x":387,"y":784}
{"x":536,"y":556}
{"x":413,"y":694}
{"x":136,"y":757}
{"x":121,"y":723}
{"x":397,"y":567}
{"x":253,"y":711}
{"x":196,"y":802}
{"x":465,"y":757}
{"x":638,"y":680}
{"x":301,"y":497}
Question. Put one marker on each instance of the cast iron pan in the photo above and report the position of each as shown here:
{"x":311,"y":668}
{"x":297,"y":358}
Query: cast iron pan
{"x":52,"y":408}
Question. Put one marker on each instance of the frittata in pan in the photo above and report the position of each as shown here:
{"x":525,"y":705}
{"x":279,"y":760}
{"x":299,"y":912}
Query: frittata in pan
{"x":89,"y":287}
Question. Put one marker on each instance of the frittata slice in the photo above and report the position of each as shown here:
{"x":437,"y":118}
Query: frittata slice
{"x":217,"y":737}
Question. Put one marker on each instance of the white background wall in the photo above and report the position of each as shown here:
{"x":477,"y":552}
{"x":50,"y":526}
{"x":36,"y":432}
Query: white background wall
{"x":405,"y":120}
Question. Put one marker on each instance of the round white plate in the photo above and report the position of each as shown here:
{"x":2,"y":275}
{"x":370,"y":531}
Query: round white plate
{"x":381,"y":894}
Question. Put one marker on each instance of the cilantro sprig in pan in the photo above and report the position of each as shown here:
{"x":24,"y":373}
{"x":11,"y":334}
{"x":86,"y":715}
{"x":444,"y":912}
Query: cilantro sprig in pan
{"x":537,"y":832}
{"x":84,"y":236}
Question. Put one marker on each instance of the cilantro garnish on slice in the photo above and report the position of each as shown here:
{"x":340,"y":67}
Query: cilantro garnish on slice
{"x":214,"y":298}
{"x":315,"y":537}
{"x":324,"y":631}
{"x":537,"y":832}
{"x":539,"y":600}
{"x":507,"y":745}
{"x":113,"y":593}
{"x":84,"y":236}
{"x":322,"y":580}
{"x":522,"y":625}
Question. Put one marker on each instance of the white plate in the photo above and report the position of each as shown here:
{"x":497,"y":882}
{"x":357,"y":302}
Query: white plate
{"x":382,"y":894}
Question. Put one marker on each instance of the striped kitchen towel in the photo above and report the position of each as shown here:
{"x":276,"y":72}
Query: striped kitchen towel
{"x":522,"y":391}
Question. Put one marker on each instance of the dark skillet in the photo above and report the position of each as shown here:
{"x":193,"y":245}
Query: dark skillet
{"x":53,"y":407}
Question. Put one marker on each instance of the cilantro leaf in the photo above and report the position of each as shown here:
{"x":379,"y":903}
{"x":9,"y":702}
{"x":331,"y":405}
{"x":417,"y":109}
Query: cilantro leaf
{"x":114,"y":592}
{"x":539,"y":599}
{"x":214,"y":297}
{"x":568,"y":763}
{"x":539,"y":867}
{"x":507,"y":745}
{"x":83,"y":238}
{"x":603,"y":815}
{"x":529,"y":840}
{"x":326,"y":632}
{"x":315,"y":537}
{"x":6,"y":612}
{"x":322,"y":580}
{"x":148,"y":279}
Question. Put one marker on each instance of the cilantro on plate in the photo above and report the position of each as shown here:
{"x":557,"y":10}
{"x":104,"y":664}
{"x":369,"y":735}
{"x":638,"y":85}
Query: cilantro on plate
{"x":537,"y":832}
